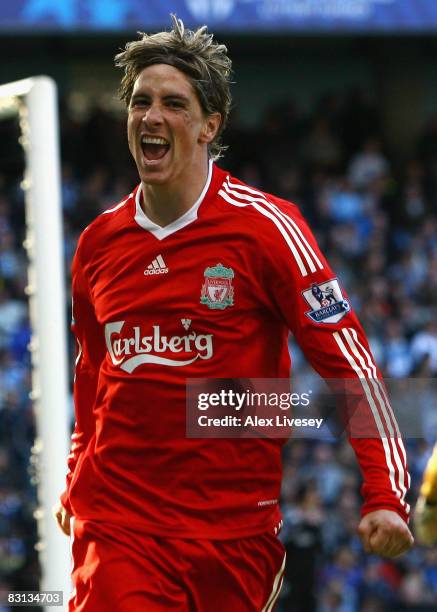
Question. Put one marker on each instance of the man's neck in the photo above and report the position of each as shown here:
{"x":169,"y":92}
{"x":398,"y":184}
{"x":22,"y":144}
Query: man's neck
{"x":163,"y":204}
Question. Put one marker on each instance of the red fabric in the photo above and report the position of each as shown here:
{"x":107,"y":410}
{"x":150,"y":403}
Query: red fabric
{"x":115,"y":569}
{"x":131,"y":463}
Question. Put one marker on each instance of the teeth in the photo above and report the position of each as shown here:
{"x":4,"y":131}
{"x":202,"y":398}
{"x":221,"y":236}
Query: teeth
{"x":153,"y":140}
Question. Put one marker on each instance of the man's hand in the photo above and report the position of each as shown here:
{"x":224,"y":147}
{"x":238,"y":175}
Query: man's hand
{"x":425,"y":522}
{"x":62,"y":517}
{"x":384,"y":533}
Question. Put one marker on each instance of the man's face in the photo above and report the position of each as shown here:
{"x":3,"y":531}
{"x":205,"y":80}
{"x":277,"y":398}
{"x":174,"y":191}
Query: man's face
{"x":167,"y":130}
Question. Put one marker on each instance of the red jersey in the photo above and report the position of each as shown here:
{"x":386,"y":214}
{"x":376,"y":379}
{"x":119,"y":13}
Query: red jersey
{"x":147,"y":315}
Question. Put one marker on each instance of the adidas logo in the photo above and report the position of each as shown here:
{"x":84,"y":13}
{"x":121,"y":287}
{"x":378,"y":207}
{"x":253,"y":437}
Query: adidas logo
{"x":156,"y":267}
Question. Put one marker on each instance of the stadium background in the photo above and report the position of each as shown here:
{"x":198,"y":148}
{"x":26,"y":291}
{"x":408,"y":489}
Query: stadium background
{"x":336,"y":114}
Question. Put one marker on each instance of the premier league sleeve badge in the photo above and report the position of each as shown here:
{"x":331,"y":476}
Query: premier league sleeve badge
{"x":326,"y":301}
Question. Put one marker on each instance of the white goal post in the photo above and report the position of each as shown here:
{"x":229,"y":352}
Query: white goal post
{"x":35,"y":101}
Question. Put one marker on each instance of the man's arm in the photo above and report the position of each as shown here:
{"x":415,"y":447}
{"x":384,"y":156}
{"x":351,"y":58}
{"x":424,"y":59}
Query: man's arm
{"x":382,"y":459}
{"x":90,"y":352}
{"x":334,"y":343}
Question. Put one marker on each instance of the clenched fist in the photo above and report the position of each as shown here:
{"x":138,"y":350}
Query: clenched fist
{"x":383,"y":532}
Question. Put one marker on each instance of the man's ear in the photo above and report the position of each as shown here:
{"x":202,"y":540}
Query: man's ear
{"x":210,"y":128}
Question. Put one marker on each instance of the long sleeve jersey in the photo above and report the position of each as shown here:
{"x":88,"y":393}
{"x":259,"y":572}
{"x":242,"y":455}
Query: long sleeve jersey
{"x":214,"y":294}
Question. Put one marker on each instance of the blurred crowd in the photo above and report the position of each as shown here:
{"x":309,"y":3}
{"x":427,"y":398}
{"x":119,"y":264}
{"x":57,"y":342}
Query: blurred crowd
{"x":375,"y":217}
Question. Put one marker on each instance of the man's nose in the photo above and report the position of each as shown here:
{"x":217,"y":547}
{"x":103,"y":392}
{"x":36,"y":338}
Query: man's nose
{"x":153,"y":115}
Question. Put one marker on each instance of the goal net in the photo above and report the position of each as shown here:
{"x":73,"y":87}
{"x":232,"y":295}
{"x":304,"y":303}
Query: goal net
{"x":35,"y":102}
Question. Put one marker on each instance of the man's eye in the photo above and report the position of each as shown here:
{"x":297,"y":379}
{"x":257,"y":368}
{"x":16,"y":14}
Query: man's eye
{"x":139,"y":102}
{"x":175,"y":104}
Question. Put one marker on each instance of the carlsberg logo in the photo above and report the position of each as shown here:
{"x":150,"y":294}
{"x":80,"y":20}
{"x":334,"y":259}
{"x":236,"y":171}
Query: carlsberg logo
{"x":136,"y":349}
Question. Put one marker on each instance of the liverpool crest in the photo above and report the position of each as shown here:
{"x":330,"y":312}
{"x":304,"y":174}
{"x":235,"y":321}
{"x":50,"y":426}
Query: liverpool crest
{"x":217,"y":289}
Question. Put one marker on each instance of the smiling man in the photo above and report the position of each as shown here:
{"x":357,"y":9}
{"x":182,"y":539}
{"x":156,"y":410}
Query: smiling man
{"x":168,"y":133}
{"x":197,"y":275}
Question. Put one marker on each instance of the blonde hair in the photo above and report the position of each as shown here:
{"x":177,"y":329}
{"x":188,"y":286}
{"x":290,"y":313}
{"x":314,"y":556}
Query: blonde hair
{"x":196,"y":54}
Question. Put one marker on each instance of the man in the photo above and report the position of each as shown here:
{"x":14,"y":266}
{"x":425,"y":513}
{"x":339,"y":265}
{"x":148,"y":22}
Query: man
{"x":425,"y":515}
{"x":163,"y":522}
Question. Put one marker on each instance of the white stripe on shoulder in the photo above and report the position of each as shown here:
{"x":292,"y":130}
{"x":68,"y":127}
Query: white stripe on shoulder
{"x":114,"y":208}
{"x":298,"y":245}
{"x":283,"y":219}
{"x":397,"y":488}
{"x":286,"y":218}
{"x":275,"y":220}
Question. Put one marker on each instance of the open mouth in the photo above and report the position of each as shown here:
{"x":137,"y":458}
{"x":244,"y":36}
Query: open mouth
{"x":154,"y":148}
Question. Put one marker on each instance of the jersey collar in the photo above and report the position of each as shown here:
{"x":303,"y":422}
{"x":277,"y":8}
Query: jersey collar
{"x":188,"y":217}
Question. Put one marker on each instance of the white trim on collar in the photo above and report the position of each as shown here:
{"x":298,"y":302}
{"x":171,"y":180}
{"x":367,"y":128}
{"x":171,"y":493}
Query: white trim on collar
{"x":188,"y":217}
